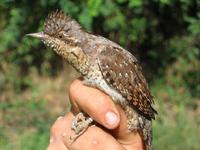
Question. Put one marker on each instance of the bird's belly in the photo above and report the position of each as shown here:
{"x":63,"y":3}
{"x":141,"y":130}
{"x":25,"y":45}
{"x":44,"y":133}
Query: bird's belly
{"x":102,"y":85}
{"x":116,"y":96}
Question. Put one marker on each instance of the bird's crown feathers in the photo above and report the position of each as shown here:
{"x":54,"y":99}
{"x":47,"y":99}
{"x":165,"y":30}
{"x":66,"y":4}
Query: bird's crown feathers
{"x":57,"y":21}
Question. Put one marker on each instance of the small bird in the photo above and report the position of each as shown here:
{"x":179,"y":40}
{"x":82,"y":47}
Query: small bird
{"x":104,"y":65}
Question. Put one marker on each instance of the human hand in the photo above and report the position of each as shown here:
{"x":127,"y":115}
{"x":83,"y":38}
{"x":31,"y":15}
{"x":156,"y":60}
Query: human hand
{"x":112,"y":134}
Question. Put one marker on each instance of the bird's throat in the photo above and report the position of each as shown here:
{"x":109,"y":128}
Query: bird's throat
{"x":75,"y":56}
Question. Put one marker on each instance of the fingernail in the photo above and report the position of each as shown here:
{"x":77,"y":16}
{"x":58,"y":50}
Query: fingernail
{"x":111,"y":118}
{"x":51,"y":139}
{"x":59,"y":118}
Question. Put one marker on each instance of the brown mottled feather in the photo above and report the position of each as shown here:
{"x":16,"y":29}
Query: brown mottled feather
{"x":55,"y":22}
{"x":134,"y":88}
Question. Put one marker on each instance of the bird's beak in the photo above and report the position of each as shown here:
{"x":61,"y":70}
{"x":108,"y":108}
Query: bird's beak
{"x":39,"y":35}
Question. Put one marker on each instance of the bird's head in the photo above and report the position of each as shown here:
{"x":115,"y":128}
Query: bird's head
{"x":60,"y":32}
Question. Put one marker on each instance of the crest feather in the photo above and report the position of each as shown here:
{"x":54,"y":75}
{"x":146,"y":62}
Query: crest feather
{"x":56,"y":21}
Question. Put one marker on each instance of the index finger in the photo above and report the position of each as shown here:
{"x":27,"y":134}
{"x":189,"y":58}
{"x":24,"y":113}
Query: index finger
{"x":95,"y":103}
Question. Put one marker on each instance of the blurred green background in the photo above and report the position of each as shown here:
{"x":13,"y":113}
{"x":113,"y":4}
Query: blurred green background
{"x":163,"y":34}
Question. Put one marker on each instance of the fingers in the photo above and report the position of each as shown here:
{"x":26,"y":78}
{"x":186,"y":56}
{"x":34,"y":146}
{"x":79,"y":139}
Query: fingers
{"x":59,"y":145}
{"x":101,"y":108}
{"x":56,"y":142}
{"x":95,"y":103}
{"x":93,"y":138}
{"x":96,"y":138}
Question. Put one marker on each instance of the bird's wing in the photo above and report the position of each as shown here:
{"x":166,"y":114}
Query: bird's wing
{"x":121,"y":70}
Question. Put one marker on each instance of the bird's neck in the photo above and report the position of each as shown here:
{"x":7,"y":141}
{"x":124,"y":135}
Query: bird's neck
{"x":75,"y":56}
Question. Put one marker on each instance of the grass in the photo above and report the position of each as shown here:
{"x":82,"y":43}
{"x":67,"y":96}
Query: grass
{"x":177,"y":125}
{"x":26,"y":140}
{"x":26,"y":125}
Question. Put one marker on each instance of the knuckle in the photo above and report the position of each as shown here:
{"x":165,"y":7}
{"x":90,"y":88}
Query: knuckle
{"x":56,"y":126}
{"x":53,"y":128}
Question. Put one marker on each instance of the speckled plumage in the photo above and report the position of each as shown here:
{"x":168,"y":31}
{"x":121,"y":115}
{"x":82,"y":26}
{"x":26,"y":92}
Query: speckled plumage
{"x":104,"y":65}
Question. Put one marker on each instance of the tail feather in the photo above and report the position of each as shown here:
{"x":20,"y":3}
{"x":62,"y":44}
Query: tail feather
{"x":147,"y":134}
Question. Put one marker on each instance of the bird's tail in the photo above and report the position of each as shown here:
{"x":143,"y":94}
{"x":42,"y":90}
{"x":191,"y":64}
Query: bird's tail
{"x":147,"y":134}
